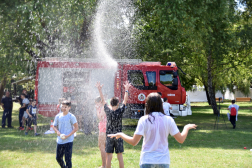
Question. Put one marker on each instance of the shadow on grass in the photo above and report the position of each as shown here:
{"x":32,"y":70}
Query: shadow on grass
{"x":205,"y":136}
{"x":15,"y":140}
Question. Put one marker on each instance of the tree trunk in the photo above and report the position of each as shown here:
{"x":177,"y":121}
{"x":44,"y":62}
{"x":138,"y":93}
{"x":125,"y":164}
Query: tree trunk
{"x":214,"y":89}
{"x":2,"y":85}
{"x":211,"y":90}
{"x":15,"y":89}
{"x":207,"y":94}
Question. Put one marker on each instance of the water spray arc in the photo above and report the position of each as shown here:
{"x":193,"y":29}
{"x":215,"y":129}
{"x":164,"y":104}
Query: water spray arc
{"x":99,"y":42}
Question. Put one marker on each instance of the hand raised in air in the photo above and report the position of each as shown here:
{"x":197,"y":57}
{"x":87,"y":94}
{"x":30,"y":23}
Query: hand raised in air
{"x":99,"y":86}
{"x":126,"y":85}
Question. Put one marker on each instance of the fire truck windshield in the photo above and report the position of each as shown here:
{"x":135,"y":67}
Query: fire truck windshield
{"x":136,"y":77}
{"x":166,"y":78}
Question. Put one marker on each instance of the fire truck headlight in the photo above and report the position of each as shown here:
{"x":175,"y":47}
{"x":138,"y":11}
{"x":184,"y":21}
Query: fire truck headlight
{"x":181,"y":107}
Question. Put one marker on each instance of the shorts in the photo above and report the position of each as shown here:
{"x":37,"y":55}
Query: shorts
{"x":113,"y":143}
{"x":32,"y":121}
{"x":102,"y":126}
{"x":25,"y":115}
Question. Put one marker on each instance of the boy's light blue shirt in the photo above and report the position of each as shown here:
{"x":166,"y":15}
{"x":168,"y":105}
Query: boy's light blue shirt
{"x":65,"y":126}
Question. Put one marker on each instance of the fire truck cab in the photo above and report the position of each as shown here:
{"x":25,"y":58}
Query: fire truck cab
{"x":148,"y":77}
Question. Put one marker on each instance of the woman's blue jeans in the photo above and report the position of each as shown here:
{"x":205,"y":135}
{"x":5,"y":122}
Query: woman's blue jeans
{"x":154,"y":166}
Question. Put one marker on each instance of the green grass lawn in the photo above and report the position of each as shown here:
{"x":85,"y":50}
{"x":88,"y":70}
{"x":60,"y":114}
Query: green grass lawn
{"x":204,"y":147}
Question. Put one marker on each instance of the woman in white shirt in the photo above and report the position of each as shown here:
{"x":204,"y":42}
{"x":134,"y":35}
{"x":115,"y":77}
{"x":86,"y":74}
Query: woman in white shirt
{"x":155,"y":127}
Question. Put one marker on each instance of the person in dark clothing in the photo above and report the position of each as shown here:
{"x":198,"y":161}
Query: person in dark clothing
{"x":114,"y":125}
{"x":22,"y":110}
{"x":7,"y":105}
{"x":26,"y":96}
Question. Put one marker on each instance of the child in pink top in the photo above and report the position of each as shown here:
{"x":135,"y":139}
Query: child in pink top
{"x":102,"y":129}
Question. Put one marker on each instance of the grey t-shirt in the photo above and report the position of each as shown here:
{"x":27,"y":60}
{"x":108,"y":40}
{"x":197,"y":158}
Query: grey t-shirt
{"x":26,"y":102}
{"x":65,"y":126}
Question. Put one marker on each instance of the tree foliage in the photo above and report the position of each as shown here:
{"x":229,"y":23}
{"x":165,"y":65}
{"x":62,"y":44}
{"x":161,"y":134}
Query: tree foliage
{"x":209,"y":39}
{"x":44,"y":28}
{"x":33,"y":29}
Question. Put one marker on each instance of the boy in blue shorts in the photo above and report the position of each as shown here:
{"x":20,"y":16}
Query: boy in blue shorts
{"x":65,"y":125}
{"x":31,"y":112}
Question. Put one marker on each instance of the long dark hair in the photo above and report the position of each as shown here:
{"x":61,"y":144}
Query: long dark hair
{"x":153,"y":103}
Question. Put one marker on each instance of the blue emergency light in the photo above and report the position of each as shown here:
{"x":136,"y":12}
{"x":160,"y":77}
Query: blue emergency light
{"x":171,"y":64}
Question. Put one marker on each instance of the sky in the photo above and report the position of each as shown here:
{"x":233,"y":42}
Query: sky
{"x":240,"y":6}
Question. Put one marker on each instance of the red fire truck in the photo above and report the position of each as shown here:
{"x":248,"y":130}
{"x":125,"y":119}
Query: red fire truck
{"x":75,"y":79}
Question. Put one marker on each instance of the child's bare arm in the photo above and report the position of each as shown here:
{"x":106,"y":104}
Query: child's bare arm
{"x":126,"y":95}
{"x":73,"y":131}
{"x":23,"y":106}
{"x":27,"y":111}
{"x":131,"y":140}
{"x":56,"y":130}
{"x":180,"y":137}
{"x":99,"y":87}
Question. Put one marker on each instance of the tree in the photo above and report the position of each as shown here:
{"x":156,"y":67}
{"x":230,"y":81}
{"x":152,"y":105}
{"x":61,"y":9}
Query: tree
{"x":33,"y":29}
{"x":209,"y":39}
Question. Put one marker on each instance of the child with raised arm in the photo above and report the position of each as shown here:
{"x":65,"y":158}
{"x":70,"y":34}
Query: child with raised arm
{"x":114,"y":125}
{"x":102,"y":129}
{"x":155,"y":127}
{"x":67,"y":126}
